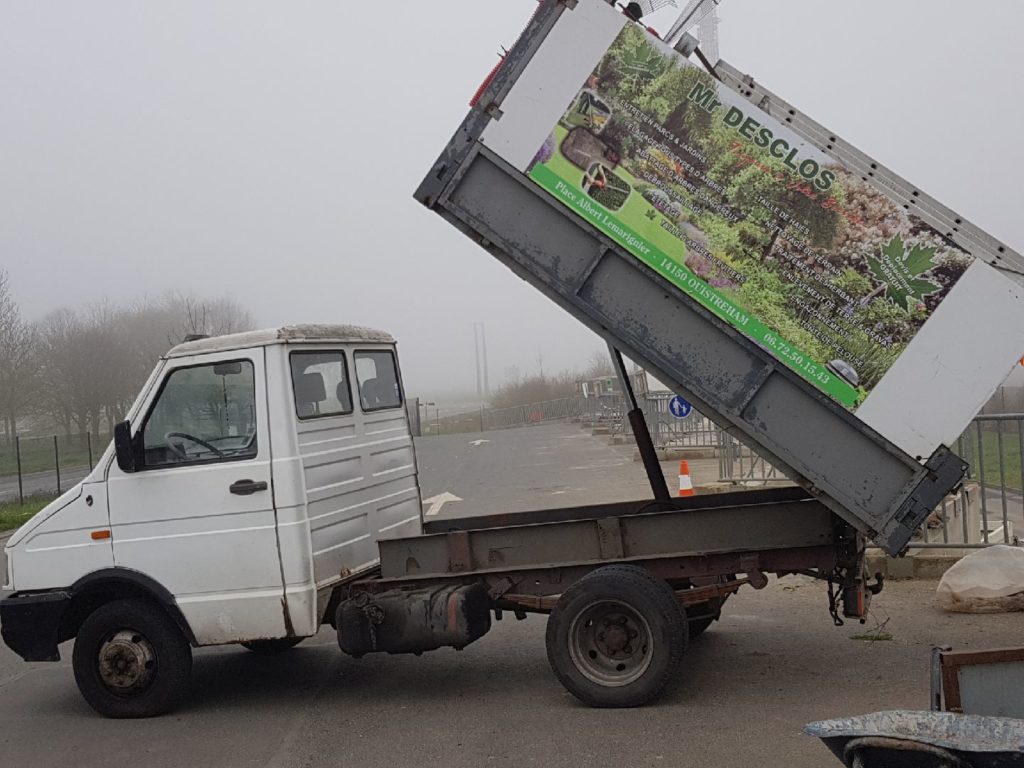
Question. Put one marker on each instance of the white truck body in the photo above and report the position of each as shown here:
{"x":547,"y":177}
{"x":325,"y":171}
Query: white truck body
{"x":261,"y":564}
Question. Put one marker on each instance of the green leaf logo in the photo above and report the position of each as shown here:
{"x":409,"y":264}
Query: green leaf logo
{"x":900,"y":269}
{"x":640,"y":62}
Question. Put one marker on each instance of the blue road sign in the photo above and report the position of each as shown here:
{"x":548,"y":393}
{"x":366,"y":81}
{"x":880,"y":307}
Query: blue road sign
{"x":679,"y":408}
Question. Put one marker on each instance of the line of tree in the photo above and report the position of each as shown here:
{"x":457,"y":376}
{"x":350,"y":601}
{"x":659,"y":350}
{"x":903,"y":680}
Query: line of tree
{"x":540,"y":387}
{"x":78,"y":370}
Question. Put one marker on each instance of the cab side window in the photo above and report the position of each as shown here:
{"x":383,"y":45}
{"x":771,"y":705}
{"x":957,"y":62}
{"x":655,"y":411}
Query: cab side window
{"x":320,"y":384}
{"x":205,"y":413}
{"x":377,"y":375}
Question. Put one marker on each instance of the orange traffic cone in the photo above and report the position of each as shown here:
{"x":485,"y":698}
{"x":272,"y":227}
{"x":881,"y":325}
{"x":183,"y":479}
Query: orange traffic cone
{"x":685,"y":483}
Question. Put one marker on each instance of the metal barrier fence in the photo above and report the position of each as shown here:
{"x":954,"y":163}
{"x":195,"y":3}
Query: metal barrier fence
{"x":738,"y":464}
{"x":535,"y":413}
{"x":989,"y":509}
{"x":32,"y":466}
{"x":668,"y":431}
{"x":993,"y":446}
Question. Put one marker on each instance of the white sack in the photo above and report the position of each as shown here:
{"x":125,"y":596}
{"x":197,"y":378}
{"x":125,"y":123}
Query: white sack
{"x":990,"y":580}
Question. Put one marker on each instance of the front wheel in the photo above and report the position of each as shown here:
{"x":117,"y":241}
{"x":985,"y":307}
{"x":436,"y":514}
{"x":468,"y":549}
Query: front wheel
{"x":616,"y":637}
{"x":131,"y":660}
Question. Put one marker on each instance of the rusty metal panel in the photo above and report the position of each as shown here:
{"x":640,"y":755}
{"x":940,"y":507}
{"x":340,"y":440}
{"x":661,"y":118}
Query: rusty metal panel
{"x":609,"y":538}
{"x":748,"y":498}
{"x":642,"y":537}
{"x":460,"y":556}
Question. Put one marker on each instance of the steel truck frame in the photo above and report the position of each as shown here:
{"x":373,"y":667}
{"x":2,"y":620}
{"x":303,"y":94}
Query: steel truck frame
{"x":627,"y":584}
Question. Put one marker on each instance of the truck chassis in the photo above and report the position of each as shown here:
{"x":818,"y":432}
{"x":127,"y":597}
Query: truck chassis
{"x":626,"y":584}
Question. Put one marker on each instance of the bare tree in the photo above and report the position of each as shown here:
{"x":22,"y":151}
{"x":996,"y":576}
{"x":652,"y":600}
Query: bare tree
{"x":95,"y":360}
{"x":599,"y":365}
{"x":18,"y":360}
{"x":534,"y":389}
{"x":58,"y":369}
{"x":212,"y":317}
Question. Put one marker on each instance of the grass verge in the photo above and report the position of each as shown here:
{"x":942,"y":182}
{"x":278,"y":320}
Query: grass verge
{"x":13,"y":514}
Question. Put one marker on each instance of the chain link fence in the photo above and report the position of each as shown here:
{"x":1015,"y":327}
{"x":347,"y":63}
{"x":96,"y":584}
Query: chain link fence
{"x":36,"y":466}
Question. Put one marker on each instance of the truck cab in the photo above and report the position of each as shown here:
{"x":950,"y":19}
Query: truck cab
{"x":254,"y":473}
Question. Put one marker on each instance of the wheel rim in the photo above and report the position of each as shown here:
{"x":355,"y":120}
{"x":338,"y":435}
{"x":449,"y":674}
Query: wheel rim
{"x":126,"y":663}
{"x":610,"y":643}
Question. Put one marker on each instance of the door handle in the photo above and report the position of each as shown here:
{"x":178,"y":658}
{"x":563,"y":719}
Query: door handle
{"x":247,"y":487}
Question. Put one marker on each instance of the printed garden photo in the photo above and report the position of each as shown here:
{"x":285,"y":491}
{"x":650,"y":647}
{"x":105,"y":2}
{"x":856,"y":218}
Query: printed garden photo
{"x":833,"y":277}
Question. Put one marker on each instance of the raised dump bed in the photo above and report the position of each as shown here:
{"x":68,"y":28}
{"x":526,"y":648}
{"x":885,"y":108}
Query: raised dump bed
{"x":733,"y":254}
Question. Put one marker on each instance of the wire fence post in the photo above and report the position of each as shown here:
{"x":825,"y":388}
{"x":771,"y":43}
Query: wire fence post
{"x":981,"y":480}
{"x":56,"y":461}
{"x":88,"y":442}
{"x":481,"y":418}
{"x":17,"y":453}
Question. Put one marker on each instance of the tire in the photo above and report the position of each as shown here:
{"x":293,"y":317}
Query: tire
{"x":131,"y":660}
{"x":273,"y":647}
{"x":697,"y":627}
{"x":593,"y":628}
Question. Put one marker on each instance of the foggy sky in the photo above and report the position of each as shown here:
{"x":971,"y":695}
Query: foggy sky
{"x":269,"y":150}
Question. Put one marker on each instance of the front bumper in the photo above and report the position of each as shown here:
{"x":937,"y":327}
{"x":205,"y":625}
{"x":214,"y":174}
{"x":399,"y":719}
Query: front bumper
{"x":29,"y":623}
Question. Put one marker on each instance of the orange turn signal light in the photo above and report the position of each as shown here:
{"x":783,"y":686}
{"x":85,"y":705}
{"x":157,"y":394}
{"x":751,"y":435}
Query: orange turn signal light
{"x":99,"y":535}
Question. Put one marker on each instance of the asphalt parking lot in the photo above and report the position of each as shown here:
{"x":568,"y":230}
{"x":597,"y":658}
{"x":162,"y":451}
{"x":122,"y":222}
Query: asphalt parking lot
{"x":773,"y":663}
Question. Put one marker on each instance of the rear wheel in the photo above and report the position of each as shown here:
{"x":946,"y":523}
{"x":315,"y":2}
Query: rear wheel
{"x":272,"y":647}
{"x":616,"y":637}
{"x":131,"y":660}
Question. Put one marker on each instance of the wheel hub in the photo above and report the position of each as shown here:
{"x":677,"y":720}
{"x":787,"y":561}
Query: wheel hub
{"x":610,"y":643}
{"x":127,"y":662}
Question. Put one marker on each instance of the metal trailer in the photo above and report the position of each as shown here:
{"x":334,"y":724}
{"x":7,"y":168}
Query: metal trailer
{"x":849,"y":467}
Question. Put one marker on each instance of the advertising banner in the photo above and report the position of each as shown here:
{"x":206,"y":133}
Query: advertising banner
{"x":804,"y":256}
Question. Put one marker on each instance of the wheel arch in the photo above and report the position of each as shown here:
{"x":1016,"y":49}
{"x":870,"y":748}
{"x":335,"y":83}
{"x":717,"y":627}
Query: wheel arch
{"x":104,"y":586}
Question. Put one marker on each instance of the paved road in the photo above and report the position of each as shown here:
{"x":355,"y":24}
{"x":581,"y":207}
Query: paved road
{"x":540,"y":467}
{"x":772,"y":664}
{"x":39,"y":482}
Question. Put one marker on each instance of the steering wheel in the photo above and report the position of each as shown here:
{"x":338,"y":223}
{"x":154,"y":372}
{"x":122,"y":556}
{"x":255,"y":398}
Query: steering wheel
{"x":197,"y":440}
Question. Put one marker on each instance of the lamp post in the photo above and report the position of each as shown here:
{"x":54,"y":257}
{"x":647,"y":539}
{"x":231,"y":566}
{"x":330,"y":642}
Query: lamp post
{"x":426,"y":413}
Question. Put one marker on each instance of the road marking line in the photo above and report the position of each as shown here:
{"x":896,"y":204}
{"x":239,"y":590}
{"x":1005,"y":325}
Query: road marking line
{"x":436,"y":502}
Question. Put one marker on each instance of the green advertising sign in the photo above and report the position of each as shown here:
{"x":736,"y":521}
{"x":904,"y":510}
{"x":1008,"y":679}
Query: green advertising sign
{"x":773,"y":236}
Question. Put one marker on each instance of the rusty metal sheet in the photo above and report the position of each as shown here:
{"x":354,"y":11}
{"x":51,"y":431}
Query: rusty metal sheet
{"x":643,"y":537}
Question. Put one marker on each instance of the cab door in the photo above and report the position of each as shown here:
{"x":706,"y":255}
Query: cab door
{"x":198,"y":514}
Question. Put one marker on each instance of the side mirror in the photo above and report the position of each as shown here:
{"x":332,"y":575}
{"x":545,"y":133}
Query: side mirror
{"x":123,"y":448}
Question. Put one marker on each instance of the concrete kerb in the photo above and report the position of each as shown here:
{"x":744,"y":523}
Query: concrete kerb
{"x":919,"y":564}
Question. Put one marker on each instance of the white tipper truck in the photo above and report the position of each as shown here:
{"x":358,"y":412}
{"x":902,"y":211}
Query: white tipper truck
{"x":264,"y":484}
